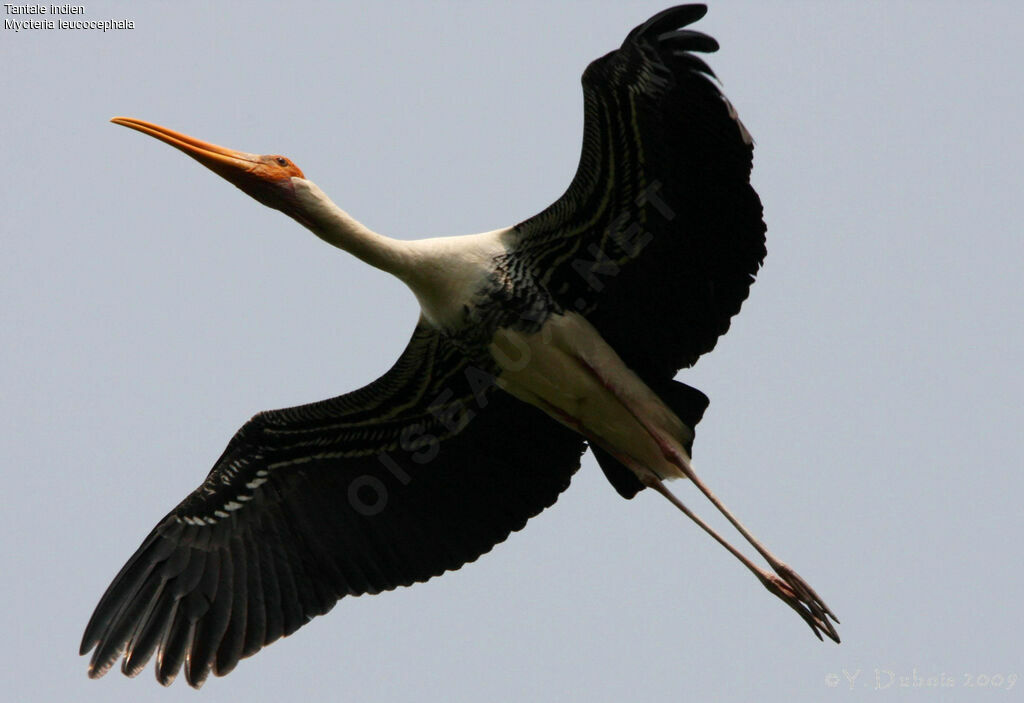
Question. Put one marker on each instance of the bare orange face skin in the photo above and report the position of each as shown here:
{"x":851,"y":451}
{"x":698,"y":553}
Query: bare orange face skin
{"x":265,"y":177}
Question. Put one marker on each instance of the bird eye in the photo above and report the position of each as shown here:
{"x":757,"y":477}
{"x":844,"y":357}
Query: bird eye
{"x":282,"y":161}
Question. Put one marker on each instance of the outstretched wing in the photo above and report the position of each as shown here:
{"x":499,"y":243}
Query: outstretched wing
{"x":659,"y":236}
{"x":416,"y":474}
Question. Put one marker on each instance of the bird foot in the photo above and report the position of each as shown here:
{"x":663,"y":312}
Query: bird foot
{"x":798,"y":595}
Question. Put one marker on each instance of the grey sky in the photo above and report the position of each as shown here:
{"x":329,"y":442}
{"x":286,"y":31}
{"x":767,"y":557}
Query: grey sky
{"x":866,"y":405}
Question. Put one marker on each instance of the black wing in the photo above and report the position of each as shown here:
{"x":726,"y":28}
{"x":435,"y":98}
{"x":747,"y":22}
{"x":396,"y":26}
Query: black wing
{"x":659,"y":235}
{"x":416,"y":474}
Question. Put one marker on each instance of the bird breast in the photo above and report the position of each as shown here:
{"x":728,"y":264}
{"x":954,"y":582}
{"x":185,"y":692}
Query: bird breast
{"x":447,"y":275}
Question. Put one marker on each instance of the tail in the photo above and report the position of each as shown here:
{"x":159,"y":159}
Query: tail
{"x":686,"y":402}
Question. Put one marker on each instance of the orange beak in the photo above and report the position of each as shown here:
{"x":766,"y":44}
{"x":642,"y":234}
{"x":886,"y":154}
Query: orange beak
{"x":265,"y":177}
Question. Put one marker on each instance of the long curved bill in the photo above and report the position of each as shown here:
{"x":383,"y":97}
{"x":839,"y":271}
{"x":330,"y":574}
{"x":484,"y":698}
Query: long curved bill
{"x":267,"y":178}
{"x":223,"y":161}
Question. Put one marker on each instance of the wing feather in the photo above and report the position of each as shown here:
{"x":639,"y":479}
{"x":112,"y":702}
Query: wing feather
{"x":358,"y":494}
{"x":659,"y":235}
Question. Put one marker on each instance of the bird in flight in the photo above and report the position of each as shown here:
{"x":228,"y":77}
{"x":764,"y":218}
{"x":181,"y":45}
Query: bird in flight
{"x":534,"y":343}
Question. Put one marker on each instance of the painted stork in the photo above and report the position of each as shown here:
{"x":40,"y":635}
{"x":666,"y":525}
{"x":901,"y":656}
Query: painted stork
{"x":534,"y":342}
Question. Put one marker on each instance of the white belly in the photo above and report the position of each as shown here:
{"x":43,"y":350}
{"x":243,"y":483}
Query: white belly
{"x":570,"y":372}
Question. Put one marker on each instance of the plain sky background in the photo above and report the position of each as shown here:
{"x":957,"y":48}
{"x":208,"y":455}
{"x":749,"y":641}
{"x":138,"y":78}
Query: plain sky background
{"x":866,"y":413}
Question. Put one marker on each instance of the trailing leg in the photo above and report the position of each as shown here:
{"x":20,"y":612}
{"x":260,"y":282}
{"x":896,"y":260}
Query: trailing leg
{"x":800,"y":598}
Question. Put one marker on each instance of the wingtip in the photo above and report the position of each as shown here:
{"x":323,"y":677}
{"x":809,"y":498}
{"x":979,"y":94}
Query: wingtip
{"x":695,"y":12}
{"x":669,"y":19}
{"x":98,"y":667}
{"x":689,"y":40}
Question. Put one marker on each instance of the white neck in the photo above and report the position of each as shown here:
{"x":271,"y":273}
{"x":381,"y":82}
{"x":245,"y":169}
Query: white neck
{"x":335,"y":226}
{"x":443,"y":273}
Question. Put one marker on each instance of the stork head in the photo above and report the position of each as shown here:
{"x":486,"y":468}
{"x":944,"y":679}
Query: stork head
{"x":265,"y":177}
